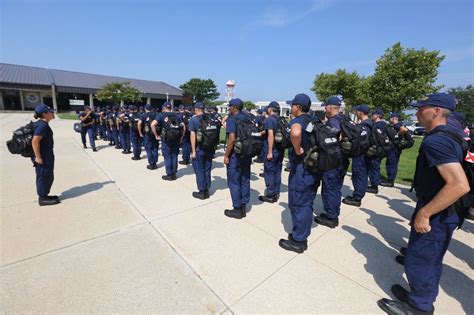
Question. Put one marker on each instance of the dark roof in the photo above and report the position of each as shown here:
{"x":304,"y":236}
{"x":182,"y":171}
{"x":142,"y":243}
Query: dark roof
{"x":83,"y":82}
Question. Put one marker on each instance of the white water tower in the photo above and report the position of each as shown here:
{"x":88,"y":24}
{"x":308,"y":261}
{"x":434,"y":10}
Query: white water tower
{"x":229,"y":90}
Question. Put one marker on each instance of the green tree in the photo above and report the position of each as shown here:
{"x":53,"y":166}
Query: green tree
{"x":350,"y":86}
{"x":465,"y":97}
{"x":249,"y":105}
{"x":402,"y":76}
{"x":115,"y":92}
{"x":200,"y":90}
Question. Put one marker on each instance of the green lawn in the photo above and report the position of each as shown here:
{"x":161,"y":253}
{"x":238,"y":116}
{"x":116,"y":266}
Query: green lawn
{"x":68,"y":116}
{"x":406,"y":165}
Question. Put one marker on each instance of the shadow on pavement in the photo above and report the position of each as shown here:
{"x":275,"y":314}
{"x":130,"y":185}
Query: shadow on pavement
{"x":400,"y":206}
{"x":82,"y":190}
{"x":459,"y":286}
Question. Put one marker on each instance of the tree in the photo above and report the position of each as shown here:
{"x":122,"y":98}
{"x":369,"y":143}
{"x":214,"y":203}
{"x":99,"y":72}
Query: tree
{"x":465,"y":97}
{"x":115,"y":92}
{"x":200,"y":90}
{"x":350,"y":86}
{"x":249,"y":105}
{"x":402,"y":76}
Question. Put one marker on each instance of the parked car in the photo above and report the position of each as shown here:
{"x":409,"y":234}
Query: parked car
{"x":410,"y":126}
{"x":419,"y":130}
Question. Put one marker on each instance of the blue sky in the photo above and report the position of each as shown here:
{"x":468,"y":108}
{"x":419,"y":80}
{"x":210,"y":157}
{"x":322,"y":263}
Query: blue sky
{"x":272,"y":49}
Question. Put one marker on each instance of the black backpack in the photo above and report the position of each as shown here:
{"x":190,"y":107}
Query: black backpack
{"x":282,"y":134}
{"x":172,"y":130}
{"x":406,"y":140}
{"x":209,"y":132}
{"x":77,"y":127}
{"x":20,"y":143}
{"x":380,"y":143}
{"x":355,"y":140}
{"x":324,"y":153}
{"x":249,"y":141}
{"x":134,"y":118}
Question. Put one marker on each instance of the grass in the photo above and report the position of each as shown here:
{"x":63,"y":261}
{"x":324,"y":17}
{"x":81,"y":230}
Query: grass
{"x":68,"y":116}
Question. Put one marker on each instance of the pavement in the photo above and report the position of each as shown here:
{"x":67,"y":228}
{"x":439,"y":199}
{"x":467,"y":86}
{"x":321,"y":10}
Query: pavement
{"x":124,"y":241}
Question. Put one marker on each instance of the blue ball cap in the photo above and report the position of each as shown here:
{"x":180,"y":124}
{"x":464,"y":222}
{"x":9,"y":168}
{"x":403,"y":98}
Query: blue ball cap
{"x":301,"y":99}
{"x":378,"y":112}
{"x":363,"y":108}
{"x":199,"y":105}
{"x":442,"y":100}
{"x":131,"y":107}
{"x":259,"y":111}
{"x":274,"y":104}
{"x":236,"y":102}
{"x":42,"y":108}
{"x":167,"y":105}
{"x":181,"y":107}
{"x":396,"y":115}
{"x":333,"y":100}
{"x":148,"y":107}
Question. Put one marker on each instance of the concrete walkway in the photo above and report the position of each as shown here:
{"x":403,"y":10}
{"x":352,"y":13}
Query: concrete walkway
{"x":123,"y":240}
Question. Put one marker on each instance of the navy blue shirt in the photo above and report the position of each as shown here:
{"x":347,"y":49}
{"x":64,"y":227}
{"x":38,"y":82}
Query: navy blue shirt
{"x":271,"y":123}
{"x":369,"y":124}
{"x":231,"y":126}
{"x":89,"y":119}
{"x":161,"y":117}
{"x":335,"y":122}
{"x":47,"y":142}
{"x":303,"y":121}
{"x":195,"y":123}
{"x":436,"y":149}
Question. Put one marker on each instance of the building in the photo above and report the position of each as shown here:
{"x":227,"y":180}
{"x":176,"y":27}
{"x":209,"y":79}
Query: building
{"x":23,"y":87}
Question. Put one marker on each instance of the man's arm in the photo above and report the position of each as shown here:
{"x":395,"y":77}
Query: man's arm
{"x":35,"y":143}
{"x":455,"y":187}
{"x":295,"y":135}
{"x":153,"y":125}
{"x":193,"y":144}
{"x":139,"y":126}
{"x":229,"y":148}
{"x":270,"y":139}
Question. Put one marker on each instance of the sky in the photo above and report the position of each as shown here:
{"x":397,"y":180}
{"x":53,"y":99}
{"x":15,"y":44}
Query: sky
{"x":271,"y":49}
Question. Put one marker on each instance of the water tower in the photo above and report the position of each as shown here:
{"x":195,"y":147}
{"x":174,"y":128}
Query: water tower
{"x":229,"y":90}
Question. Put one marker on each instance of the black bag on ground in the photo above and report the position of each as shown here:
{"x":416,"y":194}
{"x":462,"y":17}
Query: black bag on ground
{"x":249,"y":141}
{"x":20,"y":143}
{"x":355,"y":140}
{"x":325,"y":152}
{"x":379,"y":143}
{"x":282,"y":134}
{"x":172,"y":130}
{"x":209,"y":134}
{"x":77,"y":127}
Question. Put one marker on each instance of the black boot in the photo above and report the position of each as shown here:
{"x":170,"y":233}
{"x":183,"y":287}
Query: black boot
{"x":267,"y":199}
{"x":351,"y":201}
{"x":94,"y":149}
{"x":261,"y":175}
{"x":324,"y":220}
{"x":135,"y":158}
{"x":400,"y":293}
{"x":84,"y":146}
{"x":292,"y":245}
{"x":403,"y":251}
{"x":206,"y":192}
{"x":386,"y":183}
{"x":45,"y":201}
{"x":399,"y":308}
{"x":174,"y":177}
{"x":52,"y":197}
{"x":305,"y":243}
{"x":400,"y":259}
{"x":167,"y":177}
{"x":199,"y":195}
{"x":183,"y":162}
{"x":372,"y":189}
{"x":235,"y":213}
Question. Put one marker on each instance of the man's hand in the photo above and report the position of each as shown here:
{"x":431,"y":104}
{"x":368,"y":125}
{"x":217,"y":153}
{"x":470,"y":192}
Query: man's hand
{"x":301,"y":151}
{"x":422,"y":222}
{"x":39,"y":160}
{"x":226,"y":160}
{"x":193,"y":155}
{"x":269,"y":156}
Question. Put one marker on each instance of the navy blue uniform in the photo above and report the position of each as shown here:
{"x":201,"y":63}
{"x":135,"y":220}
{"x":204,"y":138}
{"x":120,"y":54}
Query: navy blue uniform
{"x":135,"y":135}
{"x":359,"y":169}
{"x":89,"y":130}
{"x":186,"y":145}
{"x":238,"y":169}
{"x":112,"y":123}
{"x":302,"y":186}
{"x":424,"y":257}
{"x":272,"y":168}
{"x":45,"y":171}
{"x":373,"y":164}
{"x":393,"y":156}
{"x":170,"y":150}
{"x":331,"y":183}
{"x":149,"y":140}
{"x":260,"y":121}
{"x":202,"y":164}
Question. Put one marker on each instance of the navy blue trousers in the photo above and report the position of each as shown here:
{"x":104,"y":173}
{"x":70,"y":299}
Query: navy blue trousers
{"x":391,"y":164}
{"x":238,"y":180}
{"x":302,"y":187}
{"x":424,"y":259}
{"x":125,"y":138}
{"x":202,"y":166}
{"x":373,"y":170}
{"x":186,"y":147}
{"x":136,"y":143}
{"x":272,"y":172}
{"x":44,"y":179}
{"x":170,"y":152}
{"x":359,"y":177}
{"x":151,"y":147}
{"x":331,"y":192}
{"x":90,"y":132}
